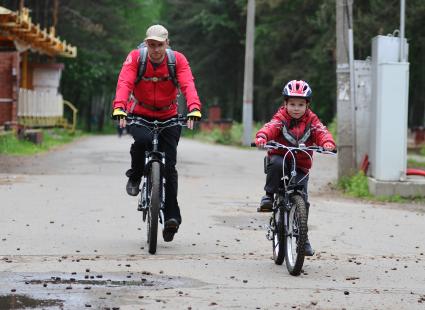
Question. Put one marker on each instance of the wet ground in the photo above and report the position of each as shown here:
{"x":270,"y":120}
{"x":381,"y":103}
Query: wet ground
{"x":70,"y":238}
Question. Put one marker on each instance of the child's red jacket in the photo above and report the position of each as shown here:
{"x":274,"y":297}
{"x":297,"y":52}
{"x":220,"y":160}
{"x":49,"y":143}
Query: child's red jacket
{"x":289,"y":131}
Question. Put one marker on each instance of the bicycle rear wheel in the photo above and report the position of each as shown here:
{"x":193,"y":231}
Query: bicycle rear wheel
{"x":153,"y":209}
{"x":297,"y":235}
{"x":278,"y":238}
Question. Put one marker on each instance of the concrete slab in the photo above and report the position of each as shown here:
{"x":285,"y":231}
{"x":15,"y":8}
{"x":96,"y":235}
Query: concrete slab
{"x":412,"y":187}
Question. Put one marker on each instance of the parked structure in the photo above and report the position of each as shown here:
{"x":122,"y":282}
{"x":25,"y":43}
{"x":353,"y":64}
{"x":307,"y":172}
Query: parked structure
{"x":29,"y":91}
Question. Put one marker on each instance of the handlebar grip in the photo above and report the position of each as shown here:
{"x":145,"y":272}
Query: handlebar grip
{"x":253,"y":144}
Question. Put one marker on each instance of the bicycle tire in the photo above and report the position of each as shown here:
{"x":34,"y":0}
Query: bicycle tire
{"x":153,"y":210}
{"x":297,"y":235}
{"x":278,"y":242}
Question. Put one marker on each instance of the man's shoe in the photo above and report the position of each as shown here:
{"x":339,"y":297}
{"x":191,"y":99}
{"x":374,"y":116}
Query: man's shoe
{"x":308,"y":250}
{"x":133,"y":187}
{"x":266,"y":204}
{"x":171,"y":226}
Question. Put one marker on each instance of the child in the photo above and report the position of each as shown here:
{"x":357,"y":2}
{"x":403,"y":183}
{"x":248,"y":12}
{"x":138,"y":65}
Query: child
{"x":293,"y":124}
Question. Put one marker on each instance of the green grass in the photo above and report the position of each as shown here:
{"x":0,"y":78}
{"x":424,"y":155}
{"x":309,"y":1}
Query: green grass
{"x":415,"y":164}
{"x":357,"y":186}
{"x":332,"y":127}
{"x":11,"y":145}
{"x":422,"y":151}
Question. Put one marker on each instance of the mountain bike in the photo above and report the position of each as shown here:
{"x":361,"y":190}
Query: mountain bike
{"x":152,"y":189}
{"x":287,"y":227}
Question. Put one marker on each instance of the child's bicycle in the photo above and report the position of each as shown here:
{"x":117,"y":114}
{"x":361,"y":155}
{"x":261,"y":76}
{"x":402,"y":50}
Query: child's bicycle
{"x":288,"y":224}
{"x":152,"y":193}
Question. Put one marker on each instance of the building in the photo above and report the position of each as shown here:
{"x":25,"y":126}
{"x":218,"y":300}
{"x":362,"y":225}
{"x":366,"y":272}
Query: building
{"x":29,"y":93}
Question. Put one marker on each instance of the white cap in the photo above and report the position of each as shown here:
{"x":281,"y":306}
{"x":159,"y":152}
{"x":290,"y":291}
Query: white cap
{"x":157,"y":33}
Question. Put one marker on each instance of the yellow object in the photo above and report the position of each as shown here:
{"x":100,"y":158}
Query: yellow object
{"x":195,"y":115}
{"x":118,"y":113}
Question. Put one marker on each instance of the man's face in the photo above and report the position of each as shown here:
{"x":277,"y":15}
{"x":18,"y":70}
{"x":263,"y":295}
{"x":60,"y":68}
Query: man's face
{"x":156,"y":50}
{"x":296,"y":107}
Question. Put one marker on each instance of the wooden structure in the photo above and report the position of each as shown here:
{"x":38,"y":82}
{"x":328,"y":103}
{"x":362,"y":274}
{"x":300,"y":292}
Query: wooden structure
{"x":29,"y":93}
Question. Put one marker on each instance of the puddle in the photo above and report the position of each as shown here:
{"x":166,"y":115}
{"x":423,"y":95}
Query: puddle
{"x":22,"y":301}
{"x":96,"y":290}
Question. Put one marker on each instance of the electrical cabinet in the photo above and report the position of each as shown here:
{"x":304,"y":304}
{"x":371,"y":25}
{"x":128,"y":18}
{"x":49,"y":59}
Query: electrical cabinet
{"x":390,"y":85}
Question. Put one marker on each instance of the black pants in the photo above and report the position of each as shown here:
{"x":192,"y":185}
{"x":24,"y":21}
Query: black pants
{"x":275,"y":173}
{"x":167,"y":143}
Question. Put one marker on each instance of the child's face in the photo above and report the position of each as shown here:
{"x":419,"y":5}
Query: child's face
{"x":296,"y":107}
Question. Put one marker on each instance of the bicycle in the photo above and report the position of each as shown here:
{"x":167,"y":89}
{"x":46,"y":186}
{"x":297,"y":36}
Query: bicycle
{"x":152,"y":193}
{"x":287,"y":228}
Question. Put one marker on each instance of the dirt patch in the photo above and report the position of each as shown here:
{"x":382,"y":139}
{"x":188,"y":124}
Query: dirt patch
{"x":13,"y":301}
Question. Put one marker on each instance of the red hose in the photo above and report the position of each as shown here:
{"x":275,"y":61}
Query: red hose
{"x":412,"y":171}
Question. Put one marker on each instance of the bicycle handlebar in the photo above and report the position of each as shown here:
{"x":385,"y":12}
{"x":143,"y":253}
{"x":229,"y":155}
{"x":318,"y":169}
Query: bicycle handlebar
{"x":175,"y":121}
{"x":276,"y":145}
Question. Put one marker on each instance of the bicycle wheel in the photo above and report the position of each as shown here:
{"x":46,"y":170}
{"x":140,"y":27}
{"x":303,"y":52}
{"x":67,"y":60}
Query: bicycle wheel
{"x":153,"y":209}
{"x":278,"y":238}
{"x":297,"y":235}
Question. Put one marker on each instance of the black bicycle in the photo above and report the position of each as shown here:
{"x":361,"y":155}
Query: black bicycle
{"x":152,"y":193}
{"x":288,"y":224}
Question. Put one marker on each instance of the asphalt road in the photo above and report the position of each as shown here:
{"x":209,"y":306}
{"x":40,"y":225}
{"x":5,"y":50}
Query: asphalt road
{"x":71,"y":238}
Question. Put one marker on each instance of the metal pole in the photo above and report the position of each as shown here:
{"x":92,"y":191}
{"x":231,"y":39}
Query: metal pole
{"x":352,"y":90}
{"x":402,"y":13}
{"x":346,"y":145}
{"x":249,"y":74}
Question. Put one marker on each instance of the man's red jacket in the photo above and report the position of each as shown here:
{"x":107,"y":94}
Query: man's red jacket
{"x":290,"y":131}
{"x":156,"y":99}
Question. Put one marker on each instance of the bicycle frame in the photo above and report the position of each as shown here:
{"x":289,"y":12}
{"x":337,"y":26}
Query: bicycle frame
{"x":154,"y":155}
{"x":288,"y":223}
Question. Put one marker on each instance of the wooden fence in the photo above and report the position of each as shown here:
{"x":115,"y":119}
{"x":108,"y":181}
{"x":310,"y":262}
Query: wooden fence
{"x":43,"y":109}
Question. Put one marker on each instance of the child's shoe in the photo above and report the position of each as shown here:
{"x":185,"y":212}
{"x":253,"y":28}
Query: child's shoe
{"x":266,"y":204}
{"x":308,"y":250}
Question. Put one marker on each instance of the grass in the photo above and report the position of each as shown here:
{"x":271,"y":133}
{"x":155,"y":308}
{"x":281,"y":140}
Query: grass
{"x":11,"y":145}
{"x":415,"y":164}
{"x":357,"y":186}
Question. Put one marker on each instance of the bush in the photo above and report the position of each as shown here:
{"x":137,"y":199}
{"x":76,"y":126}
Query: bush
{"x":356,"y":186}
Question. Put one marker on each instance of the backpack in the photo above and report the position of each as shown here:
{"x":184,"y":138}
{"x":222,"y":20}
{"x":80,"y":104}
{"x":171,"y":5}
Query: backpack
{"x":171,"y":64}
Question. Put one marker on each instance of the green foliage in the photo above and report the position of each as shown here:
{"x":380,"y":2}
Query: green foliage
{"x":411,"y":163}
{"x":422,"y":151}
{"x":332,"y":127}
{"x":104,"y":33}
{"x":10,"y":145}
{"x":230,"y":137}
{"x":356,"y":185}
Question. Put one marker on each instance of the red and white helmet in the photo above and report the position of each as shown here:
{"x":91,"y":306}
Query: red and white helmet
{"x":298,"y":88}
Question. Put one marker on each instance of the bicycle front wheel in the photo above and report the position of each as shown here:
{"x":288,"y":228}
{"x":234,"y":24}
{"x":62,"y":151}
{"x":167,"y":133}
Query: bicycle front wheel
{"x":297,"y":235}
{"x":153,"y":210}
{"x":278,"y":237}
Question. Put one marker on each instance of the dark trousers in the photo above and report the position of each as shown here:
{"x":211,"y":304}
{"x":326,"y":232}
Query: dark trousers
{"x":167,"y":143}
{"x":275,"y":173}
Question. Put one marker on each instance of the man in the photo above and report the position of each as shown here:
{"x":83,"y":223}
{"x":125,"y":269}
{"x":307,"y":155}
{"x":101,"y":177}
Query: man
{"x":154,"y":97}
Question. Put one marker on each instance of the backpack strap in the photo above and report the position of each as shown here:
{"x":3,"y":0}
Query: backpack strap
{"x":143,"y":50}
{"x":171,"y":63}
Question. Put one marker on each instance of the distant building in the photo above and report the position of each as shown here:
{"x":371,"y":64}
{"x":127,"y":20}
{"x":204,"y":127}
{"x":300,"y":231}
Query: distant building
{"x":29,"y":91}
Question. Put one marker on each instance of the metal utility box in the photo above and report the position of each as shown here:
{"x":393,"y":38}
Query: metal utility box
{"x":390,"y":85}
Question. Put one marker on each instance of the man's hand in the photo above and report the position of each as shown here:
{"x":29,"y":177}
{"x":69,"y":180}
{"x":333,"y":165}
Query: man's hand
{"x":192,"y":117}
{"x":260,"y":142}
{"x":120,"y":114}
{"x":328,"y":146}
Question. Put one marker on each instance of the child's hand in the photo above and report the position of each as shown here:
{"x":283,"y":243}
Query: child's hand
{"x":260,"y":142}
{"x":328,"y":146}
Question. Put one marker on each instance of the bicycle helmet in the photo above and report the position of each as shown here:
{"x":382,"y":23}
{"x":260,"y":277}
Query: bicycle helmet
{"x":298,"y":88}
